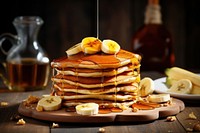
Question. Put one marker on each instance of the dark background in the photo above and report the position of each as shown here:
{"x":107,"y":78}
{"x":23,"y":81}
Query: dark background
{"x":67,"y":22}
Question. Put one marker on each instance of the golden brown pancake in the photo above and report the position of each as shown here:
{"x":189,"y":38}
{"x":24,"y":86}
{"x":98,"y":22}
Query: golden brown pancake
{"x":102,"y":78}
{"x":129,"y":88}
{"x":97,"y":61}
{"x":96,"y":80}
{"x":120,"y":80}
{"x":104,"y":103}
{"x":85,"y":72}
{"x":112,"y":97}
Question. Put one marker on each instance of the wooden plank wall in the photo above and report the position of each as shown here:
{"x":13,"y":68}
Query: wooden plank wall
{"x":68,"y":21}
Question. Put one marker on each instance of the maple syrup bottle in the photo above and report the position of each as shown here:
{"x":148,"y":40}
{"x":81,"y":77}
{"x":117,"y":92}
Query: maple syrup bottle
{"x":153,"y":41}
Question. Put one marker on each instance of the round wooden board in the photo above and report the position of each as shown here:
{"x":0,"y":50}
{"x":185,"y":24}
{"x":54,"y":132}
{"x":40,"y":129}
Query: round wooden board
{"x":125,"y":116}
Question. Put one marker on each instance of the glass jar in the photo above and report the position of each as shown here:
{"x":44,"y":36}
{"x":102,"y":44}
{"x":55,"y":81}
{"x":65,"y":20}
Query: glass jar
{"x":27,"y":64}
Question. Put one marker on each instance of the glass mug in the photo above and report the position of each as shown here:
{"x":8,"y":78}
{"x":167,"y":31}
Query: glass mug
{"x":27,"y":64}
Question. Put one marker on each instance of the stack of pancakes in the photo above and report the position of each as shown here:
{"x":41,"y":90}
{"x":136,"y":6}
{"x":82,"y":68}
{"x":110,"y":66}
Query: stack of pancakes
{"x":100,"y":78}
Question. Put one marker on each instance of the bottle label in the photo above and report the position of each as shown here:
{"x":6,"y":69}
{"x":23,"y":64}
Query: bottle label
{"x":153,"y":14}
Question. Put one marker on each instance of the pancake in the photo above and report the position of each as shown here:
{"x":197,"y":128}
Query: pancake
{"x":84,"y":72}
{"x":104,"y":103}
{"x":112,"y":97}
{"x":96,"y":80}
{"x":97,"y":61}
{"x":130,"y":88}
{"x":120,"y":80}
{"x":101,"y":78}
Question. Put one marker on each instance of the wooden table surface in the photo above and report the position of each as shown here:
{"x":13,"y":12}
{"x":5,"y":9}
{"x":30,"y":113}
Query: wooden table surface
{"x":181,"y":125}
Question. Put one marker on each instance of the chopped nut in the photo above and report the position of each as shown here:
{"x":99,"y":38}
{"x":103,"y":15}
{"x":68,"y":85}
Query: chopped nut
{"x":170,"y":101}
{"x":39,"y":108}
{"x":21,"y":122}
{"x":189,"y":129}
{"x":31,"y":100}
{"x":196,"y":127}
{"x":102,"y":130}
{"x":3,"y":104}
{"x":135,"y":110}
{"x":171,"y":118}
{"x":55,"y":125}
{"x":192,"y":116}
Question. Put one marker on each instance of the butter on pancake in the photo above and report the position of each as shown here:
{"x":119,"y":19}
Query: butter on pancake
{"x":99,"y":77}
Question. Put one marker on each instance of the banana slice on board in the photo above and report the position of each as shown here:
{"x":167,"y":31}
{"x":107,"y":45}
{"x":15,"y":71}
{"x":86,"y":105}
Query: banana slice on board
{"x":74,"y":49}
{"x":49,"y":103}
{"x":146,"y":86}
{"x":87,"y":109}
{"x":158,"y":98}
{"x":182,"y":86}
{"x":110,"y":47}
{"x":91,"y":45}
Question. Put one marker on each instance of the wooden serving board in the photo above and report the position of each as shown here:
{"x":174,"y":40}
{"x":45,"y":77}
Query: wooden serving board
{"x":125,"y":116}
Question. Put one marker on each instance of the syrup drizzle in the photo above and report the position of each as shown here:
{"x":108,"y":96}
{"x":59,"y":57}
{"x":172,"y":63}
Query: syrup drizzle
{"x":76,"y":74}
{"x":52,"y":85}
{"x":102,"y":85}
{"x":63,"y":74}
{"x":115,"y":71}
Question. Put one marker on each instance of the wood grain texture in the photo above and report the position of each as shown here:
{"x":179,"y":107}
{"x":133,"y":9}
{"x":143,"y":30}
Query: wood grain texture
{"x":34,"y":125}
{"x":125,"y":116}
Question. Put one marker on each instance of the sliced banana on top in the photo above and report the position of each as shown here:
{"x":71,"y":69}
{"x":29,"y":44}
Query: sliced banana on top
{"x":182,"y":86}
{"x":87,"y":109}
{"x":158,"y":98}
{"x":74,"y":50}
{"x":49,"y":103}
{"x":91,"y":45}
{"x":110,"y":47}
{"x":146,"y":86}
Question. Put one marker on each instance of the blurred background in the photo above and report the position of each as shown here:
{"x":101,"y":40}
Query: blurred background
{"x":67,"y":22}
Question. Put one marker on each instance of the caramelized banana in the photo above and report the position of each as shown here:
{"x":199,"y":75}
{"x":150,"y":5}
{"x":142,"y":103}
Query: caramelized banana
{"x":91,"y":45}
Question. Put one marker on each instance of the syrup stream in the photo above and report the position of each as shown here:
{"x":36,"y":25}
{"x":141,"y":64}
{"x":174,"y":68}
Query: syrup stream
{"x":97,"y":18}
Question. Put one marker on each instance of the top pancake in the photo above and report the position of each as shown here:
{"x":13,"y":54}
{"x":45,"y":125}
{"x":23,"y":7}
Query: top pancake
{"x":97,"y":61}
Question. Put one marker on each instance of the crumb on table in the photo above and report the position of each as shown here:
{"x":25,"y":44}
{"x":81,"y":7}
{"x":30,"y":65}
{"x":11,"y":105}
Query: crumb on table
{"x":192,"y":116}
{"x":171,"y":118}
{"x":21,"y":122}
{"x":55,"y":125}
{"x":3,"y":104}
{"x":102,"y":130}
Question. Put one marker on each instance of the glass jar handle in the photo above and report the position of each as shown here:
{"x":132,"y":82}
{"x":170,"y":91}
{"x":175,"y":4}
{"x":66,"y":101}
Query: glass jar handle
{"x":12,"y":38}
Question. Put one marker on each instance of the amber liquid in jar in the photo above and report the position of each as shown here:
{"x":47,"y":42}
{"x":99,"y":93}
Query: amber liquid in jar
{"x":153,"y":41}
{"x":28,"y":75}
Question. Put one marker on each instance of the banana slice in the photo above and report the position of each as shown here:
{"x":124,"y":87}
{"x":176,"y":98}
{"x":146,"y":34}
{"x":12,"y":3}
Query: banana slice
{"x":158,"y":98}
{"x":49,"y":103}
{"x":195,"y":90}
{"x":182,"y":86}
{"x":146,"y":86}
{"x":110,"y":47}
{"x":74,"y":49}
{"x":87,"y":109}
{"x":91,"y":45}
